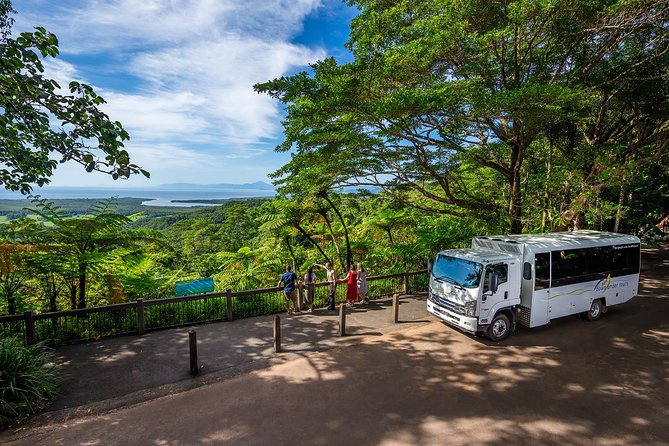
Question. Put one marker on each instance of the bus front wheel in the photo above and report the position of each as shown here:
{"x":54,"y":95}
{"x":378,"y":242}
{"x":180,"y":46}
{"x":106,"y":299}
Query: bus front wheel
{"x":499,"y":328}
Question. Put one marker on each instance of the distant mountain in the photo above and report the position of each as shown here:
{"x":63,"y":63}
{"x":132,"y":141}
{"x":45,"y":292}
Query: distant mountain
{"x":258,"y":185}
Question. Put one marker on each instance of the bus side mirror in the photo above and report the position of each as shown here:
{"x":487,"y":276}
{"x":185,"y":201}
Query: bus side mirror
{"x":493,"y":282}
{"x":430,"y":264}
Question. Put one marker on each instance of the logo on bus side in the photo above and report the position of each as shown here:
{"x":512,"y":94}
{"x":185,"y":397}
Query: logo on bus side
{"x":603,"y":284}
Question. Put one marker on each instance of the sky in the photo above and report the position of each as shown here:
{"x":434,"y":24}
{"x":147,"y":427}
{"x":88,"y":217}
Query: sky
{"x":179,"y":75}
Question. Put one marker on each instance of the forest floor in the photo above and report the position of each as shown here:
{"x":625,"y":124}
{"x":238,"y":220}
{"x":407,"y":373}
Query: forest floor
{"x":416,"y":382}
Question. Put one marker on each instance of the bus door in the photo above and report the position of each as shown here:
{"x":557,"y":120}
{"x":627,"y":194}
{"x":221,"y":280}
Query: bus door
{"x":541,"y":296}
{"x":491,"y":297}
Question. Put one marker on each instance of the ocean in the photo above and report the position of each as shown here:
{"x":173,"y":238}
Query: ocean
{"x":153,"y":196}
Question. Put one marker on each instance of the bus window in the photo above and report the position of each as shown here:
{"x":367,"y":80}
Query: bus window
{"x":599,"y":260}
{"x":502,"y":271}
{"x":542,"y":270}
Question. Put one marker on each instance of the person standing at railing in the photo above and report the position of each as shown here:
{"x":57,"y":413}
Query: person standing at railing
{"x":289,"y":279}
{"x":352,"y":285}
{"x":310,"y":284}
{"x":362,"y":284}
{"x":332,"y":280}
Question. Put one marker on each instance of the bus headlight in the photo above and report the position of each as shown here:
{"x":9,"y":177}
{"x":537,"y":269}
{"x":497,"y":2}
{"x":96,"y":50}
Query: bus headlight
{"x":470,"y":308}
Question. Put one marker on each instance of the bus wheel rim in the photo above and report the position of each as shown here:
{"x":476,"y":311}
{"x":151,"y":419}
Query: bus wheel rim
{"x":498,"y":328}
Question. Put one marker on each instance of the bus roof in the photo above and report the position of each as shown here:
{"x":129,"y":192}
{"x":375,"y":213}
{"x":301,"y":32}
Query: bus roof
{"x":574,"y":239}
{"x":480,"y":255}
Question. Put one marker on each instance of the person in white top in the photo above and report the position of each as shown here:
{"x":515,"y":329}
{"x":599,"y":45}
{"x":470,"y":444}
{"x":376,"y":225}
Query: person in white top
{"x":362,"y":283}
{"x":310,"y":283}
{"x":332,"y":278}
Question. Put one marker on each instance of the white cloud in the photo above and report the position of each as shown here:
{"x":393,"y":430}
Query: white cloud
{"x":165,"y":156}
{"x":110,"y":24}
{"x":190,"y":66}
{"x":157,"y":117}
{"x":221,"y":74}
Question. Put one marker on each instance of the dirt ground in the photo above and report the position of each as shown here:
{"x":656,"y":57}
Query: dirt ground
{"x":423,"y":383}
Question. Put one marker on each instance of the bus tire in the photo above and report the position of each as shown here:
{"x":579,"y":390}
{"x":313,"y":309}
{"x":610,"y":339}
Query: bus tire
{"x":500,"y":328}
{"x":595,"y":311}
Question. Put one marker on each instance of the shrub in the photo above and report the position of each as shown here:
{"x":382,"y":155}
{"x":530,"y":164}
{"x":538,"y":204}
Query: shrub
{"x":27,"y":379}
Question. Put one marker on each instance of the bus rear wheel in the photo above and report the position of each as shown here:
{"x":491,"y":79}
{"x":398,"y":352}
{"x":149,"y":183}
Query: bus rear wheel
{"x":595,"y":311}
{"x":499,"y":328}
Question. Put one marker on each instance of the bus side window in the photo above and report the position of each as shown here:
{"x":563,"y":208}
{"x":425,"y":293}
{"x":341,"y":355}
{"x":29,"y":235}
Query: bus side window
{"x":527,"y":271}
{"x":542,"y":275}
{"x":502,"y":271}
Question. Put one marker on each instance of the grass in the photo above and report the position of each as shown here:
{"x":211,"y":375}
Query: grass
{"x":27,"y":379}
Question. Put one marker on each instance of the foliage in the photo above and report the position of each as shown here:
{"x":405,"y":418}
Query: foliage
{"x":27,"y":379}
{"x":89,"y":243}
{"x":445,"y":102}
{"x":246,"y":269}
{"x":29,"y":102}
{"x":456,"y":118}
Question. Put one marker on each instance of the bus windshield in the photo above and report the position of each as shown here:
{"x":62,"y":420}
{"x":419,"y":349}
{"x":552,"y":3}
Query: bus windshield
{"x":461,"y":272}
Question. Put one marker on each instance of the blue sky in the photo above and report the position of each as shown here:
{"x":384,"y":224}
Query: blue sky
{"x":179,"y":73}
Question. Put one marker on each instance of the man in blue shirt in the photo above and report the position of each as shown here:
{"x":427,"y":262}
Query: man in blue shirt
{"x":289,"y":279}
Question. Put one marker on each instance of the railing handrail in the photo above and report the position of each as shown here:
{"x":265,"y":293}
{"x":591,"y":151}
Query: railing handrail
{"x":166,"y":300}
{"x":29,"y":316}
{"x":11,"y":318}
{"x":83,"y":311}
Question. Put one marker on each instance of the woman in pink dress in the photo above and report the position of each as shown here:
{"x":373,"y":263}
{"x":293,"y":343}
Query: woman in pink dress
{"x":352,"y":285}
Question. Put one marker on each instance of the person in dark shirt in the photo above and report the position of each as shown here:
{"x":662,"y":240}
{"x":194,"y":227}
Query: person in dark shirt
{"x":289,"y":279}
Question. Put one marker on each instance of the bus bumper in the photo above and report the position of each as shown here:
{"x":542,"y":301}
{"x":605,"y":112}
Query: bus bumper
{"x":464,"y":323}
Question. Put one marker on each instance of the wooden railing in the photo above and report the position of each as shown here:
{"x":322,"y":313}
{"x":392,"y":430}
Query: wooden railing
{"x":63,"y":327}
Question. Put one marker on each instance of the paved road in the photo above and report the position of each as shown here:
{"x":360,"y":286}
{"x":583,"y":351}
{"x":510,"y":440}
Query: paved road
{"x":601,"y":383}
{"x":112,"y":373}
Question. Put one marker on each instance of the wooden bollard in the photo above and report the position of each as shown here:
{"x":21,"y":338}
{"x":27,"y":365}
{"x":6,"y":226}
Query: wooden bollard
{"x":396,"y":307}
{"x":342,"y":320}
{"x":277,"y":334}
{"x":192,"y":344}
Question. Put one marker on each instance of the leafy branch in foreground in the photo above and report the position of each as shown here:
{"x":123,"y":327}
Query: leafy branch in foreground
{"x":30,"y":103}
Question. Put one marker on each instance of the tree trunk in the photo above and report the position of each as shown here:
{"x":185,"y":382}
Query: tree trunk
{"x":73,"y":297}
{"x":349,"y":255}
{"x":621,"y":202}
{"x":11,"y":305}
{"x":390,"y":237}
{"x":72,"y":286}
{"x":82,"y":286}
{"x":621,"y":197}
{"x":334,"y":239}
{"x":545,"y":215}
{"x":52,"y":291}
{"x":292,"y":254}
{"x":52,"y":302}
{"x":304,"y":233}
{"x":515,"y":194}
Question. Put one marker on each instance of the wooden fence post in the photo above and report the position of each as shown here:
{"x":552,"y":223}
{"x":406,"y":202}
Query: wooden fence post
{"x":140,"y":316}
{"x":30,"y":327}
{"x":405,"y":284}
{"x":396,"y":307}
{"x":228,"y":303}
{"x":192,"y":347}
{"x":277,"y":334}
{"x":342,"y":319}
